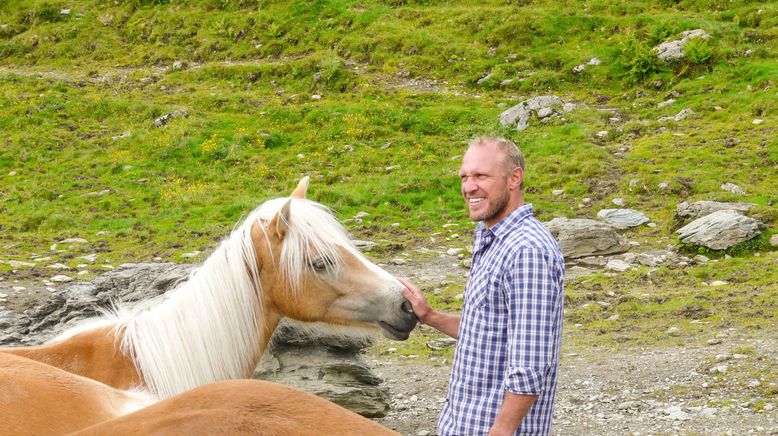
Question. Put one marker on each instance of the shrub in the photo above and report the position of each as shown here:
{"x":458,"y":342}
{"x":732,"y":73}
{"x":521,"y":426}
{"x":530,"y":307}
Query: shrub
{"x":700,"y":51}
{"x":637,"y":60}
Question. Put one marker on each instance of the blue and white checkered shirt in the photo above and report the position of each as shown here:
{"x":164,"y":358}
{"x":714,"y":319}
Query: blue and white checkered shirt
{"x":511,"y":327}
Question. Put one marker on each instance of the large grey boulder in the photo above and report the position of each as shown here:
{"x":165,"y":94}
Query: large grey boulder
{"x":720,"y":230}
{"x":584,"y":237}
{"x":686,"y":212}
{"x":673,"y":50}
{"x":543,"y":106}
{"x":622,"y":218}
{"x":311,"y":357}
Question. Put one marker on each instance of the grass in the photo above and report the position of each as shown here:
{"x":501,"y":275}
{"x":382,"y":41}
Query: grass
{"x":399,"y":94}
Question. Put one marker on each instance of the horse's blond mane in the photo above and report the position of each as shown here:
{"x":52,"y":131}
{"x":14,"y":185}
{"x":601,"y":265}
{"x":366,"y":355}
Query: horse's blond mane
{"x":208,"y":328}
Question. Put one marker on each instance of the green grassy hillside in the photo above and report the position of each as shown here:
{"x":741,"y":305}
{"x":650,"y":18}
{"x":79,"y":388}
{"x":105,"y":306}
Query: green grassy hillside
{"x":375,"y":100}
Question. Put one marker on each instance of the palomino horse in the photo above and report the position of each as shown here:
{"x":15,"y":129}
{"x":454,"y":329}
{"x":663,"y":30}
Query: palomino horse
{"x":290,"y":257}
{"x":39,"y":399}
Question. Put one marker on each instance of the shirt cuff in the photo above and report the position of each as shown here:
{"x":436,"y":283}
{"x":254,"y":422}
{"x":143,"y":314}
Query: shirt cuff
{"x":524,"y":381}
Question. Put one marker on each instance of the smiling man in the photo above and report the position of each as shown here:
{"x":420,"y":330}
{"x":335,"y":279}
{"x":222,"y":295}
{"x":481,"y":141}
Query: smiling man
{"x":509,"y":333}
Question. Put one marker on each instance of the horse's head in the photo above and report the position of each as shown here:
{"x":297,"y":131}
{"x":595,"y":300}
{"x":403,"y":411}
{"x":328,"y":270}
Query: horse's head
{"x":310,"y":270}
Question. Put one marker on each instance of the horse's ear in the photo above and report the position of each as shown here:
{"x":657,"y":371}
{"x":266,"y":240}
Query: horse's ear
{"x":281,"y":221}
{"x":301,"y":189}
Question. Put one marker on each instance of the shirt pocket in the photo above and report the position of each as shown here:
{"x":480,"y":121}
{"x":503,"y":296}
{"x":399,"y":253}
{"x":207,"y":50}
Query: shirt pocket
{"x":483,"y":289}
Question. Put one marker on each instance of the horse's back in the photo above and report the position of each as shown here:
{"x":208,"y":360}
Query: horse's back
{"x":39,"y":399}
{"x":248,"y":407}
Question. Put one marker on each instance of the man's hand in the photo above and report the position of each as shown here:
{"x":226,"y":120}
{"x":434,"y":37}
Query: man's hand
{"x":448,"y":324}
{"x":421,"y":308}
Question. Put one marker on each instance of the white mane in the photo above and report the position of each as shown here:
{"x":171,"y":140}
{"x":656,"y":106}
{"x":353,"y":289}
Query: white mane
{"x":209,"y":328}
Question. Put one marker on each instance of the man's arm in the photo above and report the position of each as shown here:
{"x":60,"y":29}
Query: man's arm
{"x":514,"y":409}
{"x":443,"y":322}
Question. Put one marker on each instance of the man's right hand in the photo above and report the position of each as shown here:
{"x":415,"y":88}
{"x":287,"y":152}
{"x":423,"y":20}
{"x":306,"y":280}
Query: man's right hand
{"x":448,"y":324}
{"x":421,"y":308}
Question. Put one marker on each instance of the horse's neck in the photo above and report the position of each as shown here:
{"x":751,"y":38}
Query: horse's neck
{"x":211,"y":328}
{"x":92,"y":354}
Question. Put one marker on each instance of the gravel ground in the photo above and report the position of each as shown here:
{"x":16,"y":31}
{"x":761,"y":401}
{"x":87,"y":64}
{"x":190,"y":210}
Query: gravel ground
{"x":639,"y":392}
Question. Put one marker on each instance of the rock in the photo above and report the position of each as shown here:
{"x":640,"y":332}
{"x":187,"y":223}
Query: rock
{"x":583,"y":237}
{"x":74,"y":241}
{"x":365,"y":245}
{"x":594,"y":61}
{"x":733,"y":188}
{"x":718,"y":283}
{"x":545,"y":112}
{"x":578,"y":68}
{"x":520,"y":114}
{"x":61,"y":279}
{"x":601,"y":134}
{"x":164,"y":119}
{"x":674,"y":50}
{"x":439,"y":344}
{"x":617,"y":265}
{"x":677,"y":117}
{"x":757,"y":121}
{"x":622,"y":218}
{"x":454,"y":251}
{"x":618,"y":201}
{"x":675,"y":413}
{"x":484,"y":79}
{"x":720,"y":230}
{"x":690,"y":211}
{"x":665,"y":103}
{"x":774,"y":240}
{"x":557,"y":192}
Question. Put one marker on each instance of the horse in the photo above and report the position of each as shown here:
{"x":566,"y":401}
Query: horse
{"x":289,"y":258}
{"x":39,"y":399}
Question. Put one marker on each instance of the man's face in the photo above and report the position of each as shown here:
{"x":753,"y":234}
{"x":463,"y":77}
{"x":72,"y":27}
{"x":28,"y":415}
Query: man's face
{"x":484,"y":184}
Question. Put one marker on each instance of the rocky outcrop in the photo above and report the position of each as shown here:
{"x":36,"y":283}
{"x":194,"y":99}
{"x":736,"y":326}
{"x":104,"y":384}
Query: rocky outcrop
{"x":674,"y":50}
{"x":584,"y":237}
{"x":313,"y":358}
{"x":720,"y":230}
{"x":622,"y":218}
{"x":543,"y":106}
{"x":685,"y":212}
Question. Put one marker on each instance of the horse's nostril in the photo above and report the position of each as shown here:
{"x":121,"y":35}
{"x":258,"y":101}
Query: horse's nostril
{"x":407,"y":307}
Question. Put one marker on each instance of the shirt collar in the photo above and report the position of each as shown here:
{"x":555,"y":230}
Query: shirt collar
{"x":507,"y":224}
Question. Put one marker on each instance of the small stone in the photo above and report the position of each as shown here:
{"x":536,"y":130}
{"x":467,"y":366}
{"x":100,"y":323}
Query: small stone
{"x":454,"y":251}
{"x":558,"y":192}
{"x":61,"y":279}
{"x":718,"y":283}
{"x":754,"y":384}
{"x":545,"y":112}
{"x":601,"y":134}
{"x":715,"y":341}
{"x":191,"y":254}
{"x":399,"y":261}
{"x":618,"y":201}
{"x":316,"y":97}
{"x":757,"y":121}
{"x":665,"y":103}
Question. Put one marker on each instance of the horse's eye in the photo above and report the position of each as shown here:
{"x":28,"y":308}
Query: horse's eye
{"x":320,"y":265}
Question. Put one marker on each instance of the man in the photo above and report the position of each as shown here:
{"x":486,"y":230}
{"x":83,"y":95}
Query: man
{"x":503,"y":381}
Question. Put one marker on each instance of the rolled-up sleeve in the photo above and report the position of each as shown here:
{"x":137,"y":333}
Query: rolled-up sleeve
{"x":532,"y":294}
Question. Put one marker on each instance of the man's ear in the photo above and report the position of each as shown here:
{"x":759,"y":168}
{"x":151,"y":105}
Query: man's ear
{"x":517,"y":178}
{"x":280,"y":223}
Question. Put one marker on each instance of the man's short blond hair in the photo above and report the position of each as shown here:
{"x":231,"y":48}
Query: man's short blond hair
{"x":513,"y":158}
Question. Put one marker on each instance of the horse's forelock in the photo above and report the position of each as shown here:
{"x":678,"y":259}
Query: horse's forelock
{"x":313,"y":233}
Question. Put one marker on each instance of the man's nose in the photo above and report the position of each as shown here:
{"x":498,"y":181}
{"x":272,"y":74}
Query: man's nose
{"x":469,"y":186}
